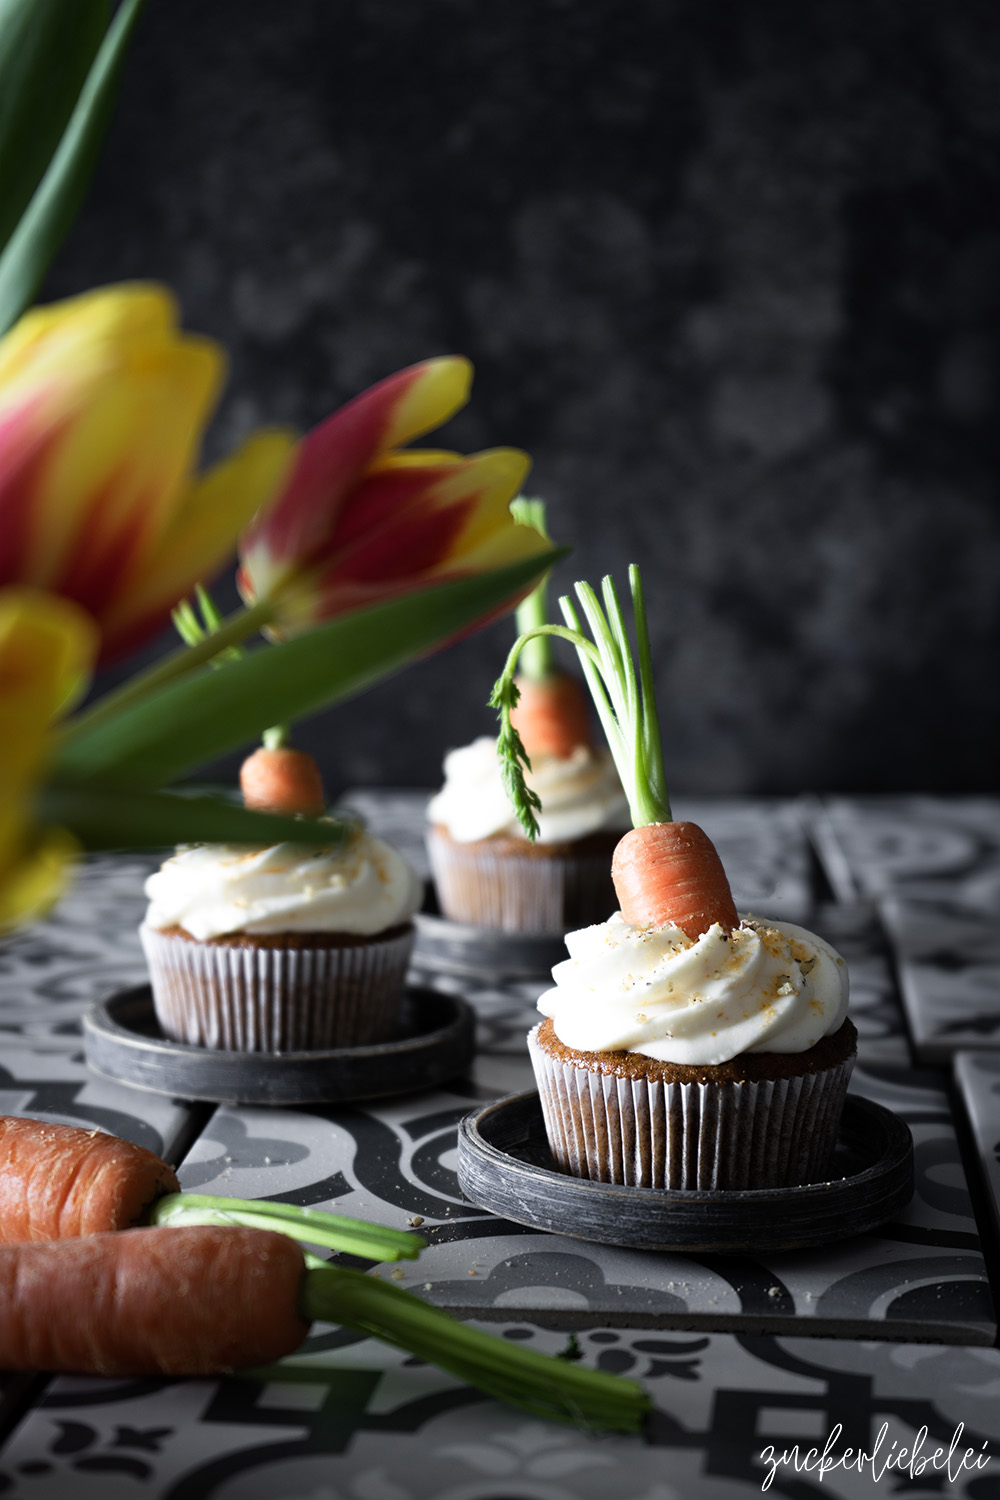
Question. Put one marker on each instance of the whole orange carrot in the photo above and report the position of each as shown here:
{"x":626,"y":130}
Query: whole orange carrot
{"x":204,"y":1301}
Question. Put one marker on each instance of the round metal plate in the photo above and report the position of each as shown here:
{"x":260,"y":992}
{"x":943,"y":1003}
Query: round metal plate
{"x":504,"y":1165}
{"x":122,"y":1040}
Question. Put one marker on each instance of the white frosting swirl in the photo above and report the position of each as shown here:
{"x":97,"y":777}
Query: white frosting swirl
{"x":580,"y":794}
{"x":360,"y":887}
{"x":765,"y":987}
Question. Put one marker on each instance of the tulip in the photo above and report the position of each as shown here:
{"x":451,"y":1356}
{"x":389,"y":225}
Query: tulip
{"x":46,"y":650}
{"x":103,"y":404}
{"x":359,"y":522}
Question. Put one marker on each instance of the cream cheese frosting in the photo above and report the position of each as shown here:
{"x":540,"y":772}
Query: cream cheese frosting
{"x":764,"y":987}
{"x":580,"y":794}
{"x":359,"y":887}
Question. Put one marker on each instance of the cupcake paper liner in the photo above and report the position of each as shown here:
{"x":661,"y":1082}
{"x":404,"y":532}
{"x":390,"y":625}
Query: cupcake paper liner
{"x":645,"y":1133}
{"x":533,"y":892}
{"x":250,"y":999}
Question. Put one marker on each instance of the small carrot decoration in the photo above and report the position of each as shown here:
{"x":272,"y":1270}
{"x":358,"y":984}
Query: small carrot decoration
{"x":665,"y":872}
{"x":106,"y":1302}
{"x":279,"y":779}
{"x":551,"y":713}
{"x":275,"y":778}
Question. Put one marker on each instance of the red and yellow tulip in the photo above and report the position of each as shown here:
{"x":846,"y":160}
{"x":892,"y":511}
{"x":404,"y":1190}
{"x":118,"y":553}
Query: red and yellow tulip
{"x":103,"y":404}
{"x":47,"y":647}
{"x":359,"y":521}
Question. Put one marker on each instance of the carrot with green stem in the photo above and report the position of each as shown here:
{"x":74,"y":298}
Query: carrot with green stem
{"x":68,"y":1197}
{"x":276,"y":778}
{"x":551,"y":714}
{"x":110,"y":1304}
{"x":62,"y":1182}
{"x":665,"y":872}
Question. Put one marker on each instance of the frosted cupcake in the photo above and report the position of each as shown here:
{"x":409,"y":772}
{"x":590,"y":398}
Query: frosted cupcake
{"x":684,"y":1047}
{"x":486,"y":870}
{"x":281,"y":949}
{"x":719,"y":1062}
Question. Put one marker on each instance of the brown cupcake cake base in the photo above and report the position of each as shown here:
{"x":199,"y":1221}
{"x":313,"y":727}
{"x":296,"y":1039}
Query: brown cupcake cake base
{"x":288,"y":992}
{"x":761,"y":1120}
{"x":508,"y":883}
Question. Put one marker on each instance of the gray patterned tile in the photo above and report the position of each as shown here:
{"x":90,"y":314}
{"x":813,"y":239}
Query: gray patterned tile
{"x":948,"y":959}
{"x":921,"y":1276}
{"x":978,"y":1078}
{"x":348,"y":1419}
{"x":938,"y":848}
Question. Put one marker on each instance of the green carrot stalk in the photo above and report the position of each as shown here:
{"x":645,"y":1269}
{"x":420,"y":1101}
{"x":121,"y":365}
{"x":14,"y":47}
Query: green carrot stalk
{"x":537,"y":661}
{"x":623,"y":696}
{"x":310,"y":1226}
{"x":537,"y":1383}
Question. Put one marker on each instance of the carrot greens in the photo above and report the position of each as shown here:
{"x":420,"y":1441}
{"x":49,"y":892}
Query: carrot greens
{"x":310,"y":1226}
{"x":544,"y":1385}
{"x":624,"y":698}
{"x":537,"y":1383}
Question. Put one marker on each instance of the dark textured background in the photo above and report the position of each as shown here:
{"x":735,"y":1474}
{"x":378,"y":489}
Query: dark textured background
{"x":731,"y":274}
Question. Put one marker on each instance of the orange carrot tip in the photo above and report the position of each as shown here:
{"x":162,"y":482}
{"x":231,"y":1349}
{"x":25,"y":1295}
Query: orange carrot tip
{"x":664,"y":873}
{"x":282,"y":780}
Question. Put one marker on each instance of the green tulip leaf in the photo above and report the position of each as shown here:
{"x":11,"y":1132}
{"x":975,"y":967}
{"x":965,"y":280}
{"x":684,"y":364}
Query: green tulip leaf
{"x":154,"y":820}
{"x":197,"y":717}
{"x":46,"y":219}
{"x":46,"y":49}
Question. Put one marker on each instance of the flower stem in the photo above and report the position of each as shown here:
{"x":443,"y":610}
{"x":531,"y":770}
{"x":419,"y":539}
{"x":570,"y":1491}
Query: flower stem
{"x":232,"y":632}
{"x":537,"y":1383}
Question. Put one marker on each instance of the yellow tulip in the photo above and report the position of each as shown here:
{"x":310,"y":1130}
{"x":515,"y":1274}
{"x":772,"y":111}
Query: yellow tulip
{"x":103,"y":406}
{"x":47,"y":647}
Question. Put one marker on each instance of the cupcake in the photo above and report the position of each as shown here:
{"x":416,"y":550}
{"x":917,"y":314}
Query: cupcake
{"x":486,"y":870}
{"x":715,"y":1063}
{"x":683,"y":1047}
{"x":288,"y":948}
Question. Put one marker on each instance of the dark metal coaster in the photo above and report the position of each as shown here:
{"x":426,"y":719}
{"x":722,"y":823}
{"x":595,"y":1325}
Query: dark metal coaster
{"x":504,"y":1165}
{"x":457,"y":948}
{"x":436,"y":1041}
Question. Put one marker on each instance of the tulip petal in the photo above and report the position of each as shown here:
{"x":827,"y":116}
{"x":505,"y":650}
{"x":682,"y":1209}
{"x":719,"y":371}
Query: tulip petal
{"x":333,"y":458}
{"x":199,"y":539}
{"x":46,"y":646}
{"x":34,"y":882}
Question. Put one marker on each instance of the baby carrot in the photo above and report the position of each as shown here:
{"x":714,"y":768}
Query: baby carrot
{"x":282,"y":780}
{"x":551,"y":715}
{"x":670,"y":874}
{"x":551,"y":712}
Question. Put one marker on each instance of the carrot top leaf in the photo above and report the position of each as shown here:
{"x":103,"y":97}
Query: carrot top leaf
{"x":623,"y":696}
